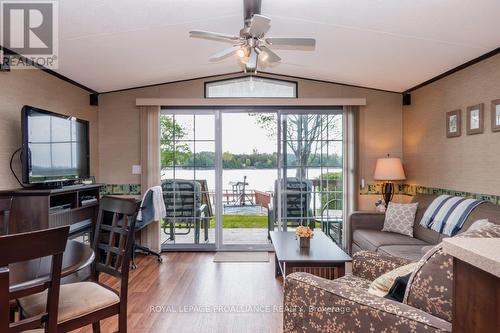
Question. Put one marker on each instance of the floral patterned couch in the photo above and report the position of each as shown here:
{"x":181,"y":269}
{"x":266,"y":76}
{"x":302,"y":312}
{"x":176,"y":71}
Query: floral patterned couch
{"x":314,"y":304}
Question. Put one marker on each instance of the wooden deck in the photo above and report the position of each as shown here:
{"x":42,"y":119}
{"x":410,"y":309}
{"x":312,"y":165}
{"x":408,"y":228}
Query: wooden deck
{"x":230,"y":235}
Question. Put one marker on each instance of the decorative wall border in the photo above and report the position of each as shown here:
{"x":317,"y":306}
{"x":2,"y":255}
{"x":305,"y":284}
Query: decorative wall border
{"x":121,"y":189}
{"x":411,"y":190}
{"x":370,"y":189}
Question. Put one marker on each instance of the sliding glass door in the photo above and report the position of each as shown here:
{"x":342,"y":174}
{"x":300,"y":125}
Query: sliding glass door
{"x":249,"y":174}
{"x":231,"y":176}
{"x":188,"y":163}
{"x":312,"y":177}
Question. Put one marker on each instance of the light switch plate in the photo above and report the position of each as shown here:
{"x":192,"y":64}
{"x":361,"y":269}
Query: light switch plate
{"x":136,"y":169}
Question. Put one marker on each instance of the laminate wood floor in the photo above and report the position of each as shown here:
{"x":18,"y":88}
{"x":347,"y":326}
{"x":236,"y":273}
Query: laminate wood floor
{"x":191,"y":293}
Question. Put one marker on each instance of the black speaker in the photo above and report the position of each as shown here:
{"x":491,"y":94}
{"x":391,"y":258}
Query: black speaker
{"x":406,"y":99}
{"x":94,"y":99}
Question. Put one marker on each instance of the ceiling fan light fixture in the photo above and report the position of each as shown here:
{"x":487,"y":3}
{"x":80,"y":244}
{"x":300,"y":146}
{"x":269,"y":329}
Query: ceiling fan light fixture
{"x":263,"y":56}
{"x":241,"y":53}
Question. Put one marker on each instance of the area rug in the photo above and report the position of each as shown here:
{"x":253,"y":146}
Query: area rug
{"x":241,"y":257}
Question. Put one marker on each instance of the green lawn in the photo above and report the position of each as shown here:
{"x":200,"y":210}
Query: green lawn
{"x":242,"y":221}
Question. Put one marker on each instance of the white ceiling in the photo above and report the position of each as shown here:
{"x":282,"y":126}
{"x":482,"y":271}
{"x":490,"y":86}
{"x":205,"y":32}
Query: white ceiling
{"x":386,"y":44}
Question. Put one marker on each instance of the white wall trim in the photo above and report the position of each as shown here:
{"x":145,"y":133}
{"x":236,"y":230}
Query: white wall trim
{"x":250,"y":101}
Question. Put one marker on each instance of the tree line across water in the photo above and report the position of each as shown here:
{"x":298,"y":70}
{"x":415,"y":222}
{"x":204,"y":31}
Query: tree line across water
{"x":306,"y":146}
{"x":256,"y":160}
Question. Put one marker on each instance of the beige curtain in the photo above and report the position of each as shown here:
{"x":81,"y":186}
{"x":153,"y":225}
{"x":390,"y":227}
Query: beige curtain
{"x":150,"y":165}
{"x":351,"y":193}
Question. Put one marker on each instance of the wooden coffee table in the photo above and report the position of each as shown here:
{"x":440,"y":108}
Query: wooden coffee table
{"x":324,"y":258}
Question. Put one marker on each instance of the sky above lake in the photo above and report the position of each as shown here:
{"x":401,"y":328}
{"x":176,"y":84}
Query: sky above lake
{"x":240,"y":133}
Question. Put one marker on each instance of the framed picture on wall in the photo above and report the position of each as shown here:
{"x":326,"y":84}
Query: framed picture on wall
{"x":495,"y":115}
{"x":453,"y":123}
{"x":475,"y":119}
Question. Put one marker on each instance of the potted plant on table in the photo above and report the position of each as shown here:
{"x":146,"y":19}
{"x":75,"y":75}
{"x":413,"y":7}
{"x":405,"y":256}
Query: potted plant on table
{"x":304,"y":235}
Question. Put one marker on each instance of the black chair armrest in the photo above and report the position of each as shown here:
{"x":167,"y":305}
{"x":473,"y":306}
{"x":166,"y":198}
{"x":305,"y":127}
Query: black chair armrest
{"x":203,"y":211}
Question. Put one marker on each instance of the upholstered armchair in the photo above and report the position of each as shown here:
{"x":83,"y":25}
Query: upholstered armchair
{"x":314,"y":304}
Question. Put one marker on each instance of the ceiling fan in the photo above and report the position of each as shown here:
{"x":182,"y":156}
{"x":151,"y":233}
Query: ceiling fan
{"x":251,"y":45}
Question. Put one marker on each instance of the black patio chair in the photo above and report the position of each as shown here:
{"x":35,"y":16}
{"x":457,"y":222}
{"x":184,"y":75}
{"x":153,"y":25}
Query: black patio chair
{"x":296,"y":199}
{"x":184,"y":209}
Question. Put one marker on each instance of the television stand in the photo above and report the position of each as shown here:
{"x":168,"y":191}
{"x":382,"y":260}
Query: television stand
{"x":37,"y":209}
{"x":53,"y":185}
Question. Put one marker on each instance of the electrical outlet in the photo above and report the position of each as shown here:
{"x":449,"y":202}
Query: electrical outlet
{"x":136,"y":169}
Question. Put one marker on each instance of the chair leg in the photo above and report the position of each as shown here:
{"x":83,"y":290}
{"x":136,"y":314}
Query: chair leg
{"x":172,"y":232}
{"x":197,"y":231}
{"x":122,"y":323}
{"x":96,"y":327}
{"x":133,"y":265}
{"x":148,"y":252}
{"x":206,"y":227}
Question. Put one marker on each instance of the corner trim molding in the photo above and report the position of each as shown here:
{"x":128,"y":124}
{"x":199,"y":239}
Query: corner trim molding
{"x":49,"y":71}
{"x":454,"y":70}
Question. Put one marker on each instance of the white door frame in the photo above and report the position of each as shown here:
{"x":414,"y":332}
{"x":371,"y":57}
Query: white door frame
{"x":218,"y":112}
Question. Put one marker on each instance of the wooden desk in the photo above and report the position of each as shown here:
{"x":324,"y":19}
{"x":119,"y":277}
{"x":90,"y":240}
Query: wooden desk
{"x":23,"y":275}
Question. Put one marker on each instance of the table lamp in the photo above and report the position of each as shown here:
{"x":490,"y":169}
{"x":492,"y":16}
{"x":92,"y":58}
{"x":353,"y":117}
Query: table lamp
{"x":389,"y":169}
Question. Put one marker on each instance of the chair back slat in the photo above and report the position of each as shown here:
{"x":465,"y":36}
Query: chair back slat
{"x":113,"y":236}
{"x":295,"y":200}
{"x":5,"y":205}
{"x":182,"y":198}
{"x":29,"y":246}
{"x":111,"y":249}
{"x":34,"y":244}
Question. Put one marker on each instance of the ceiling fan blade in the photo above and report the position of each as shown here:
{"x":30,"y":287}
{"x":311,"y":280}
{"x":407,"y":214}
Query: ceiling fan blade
{"x":270,"y":56}
{"x":224,"y":53}
{"x":213,"y":35}
{"x":259,"y":25}
{"x":290,"y":41}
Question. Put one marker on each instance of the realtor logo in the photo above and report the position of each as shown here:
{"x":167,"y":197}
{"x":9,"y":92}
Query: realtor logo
{"x":29,"y":33}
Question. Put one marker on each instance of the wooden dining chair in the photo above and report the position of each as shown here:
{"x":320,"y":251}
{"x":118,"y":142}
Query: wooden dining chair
{"x":86,"y":303}
{"x":5,"y":205}
{"x":28,"y":246}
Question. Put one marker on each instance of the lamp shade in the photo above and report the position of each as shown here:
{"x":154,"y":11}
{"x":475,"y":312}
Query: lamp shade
{"x":389,"y":168}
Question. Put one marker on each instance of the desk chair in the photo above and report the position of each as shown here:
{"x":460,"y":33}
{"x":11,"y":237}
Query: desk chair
{"x":28,"y":246}
{"x":147,"y":217}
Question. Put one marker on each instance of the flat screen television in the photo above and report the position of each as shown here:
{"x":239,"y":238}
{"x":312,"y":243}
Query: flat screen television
{"x":55,"y":147}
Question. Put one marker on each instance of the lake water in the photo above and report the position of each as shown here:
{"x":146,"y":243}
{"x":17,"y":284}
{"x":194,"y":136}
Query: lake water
{"x":257,"y":179}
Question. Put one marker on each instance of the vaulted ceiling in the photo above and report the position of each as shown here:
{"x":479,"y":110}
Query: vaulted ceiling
{"x":386,"y":44}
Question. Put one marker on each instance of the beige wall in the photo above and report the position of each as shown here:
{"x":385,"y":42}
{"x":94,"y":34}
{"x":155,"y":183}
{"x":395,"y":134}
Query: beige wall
{"x":466,"y":163}
{"x":39,"y":89}
{"x":380,"y":125}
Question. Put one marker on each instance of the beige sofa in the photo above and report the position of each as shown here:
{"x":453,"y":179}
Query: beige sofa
{"x":365,"y":231}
